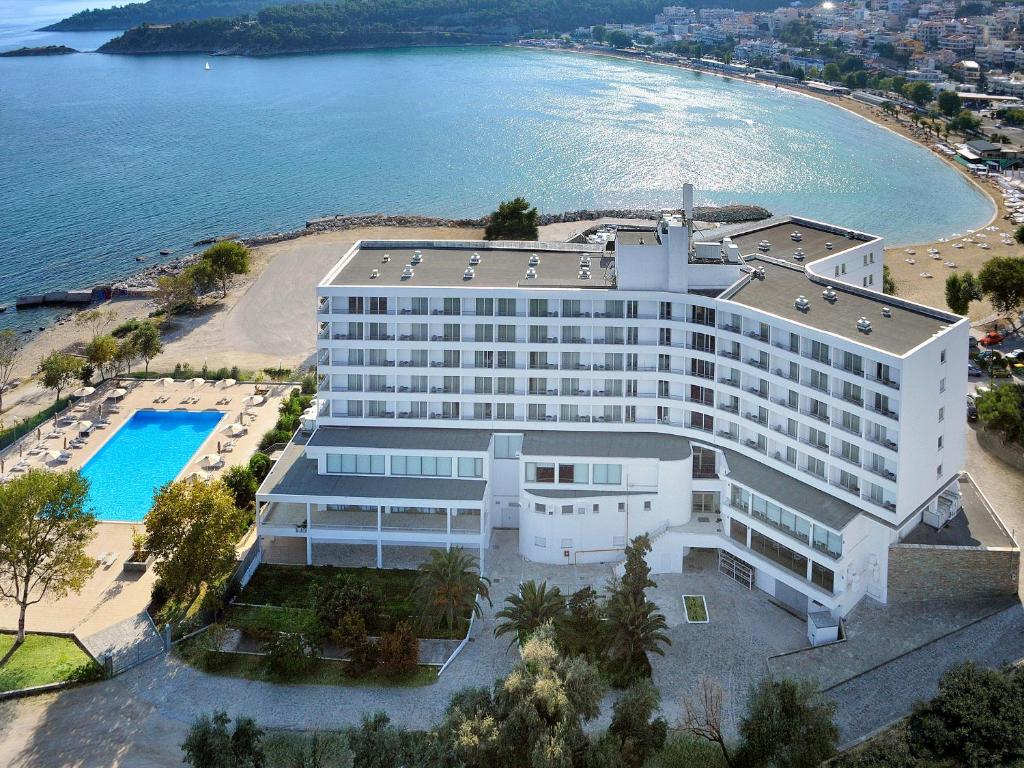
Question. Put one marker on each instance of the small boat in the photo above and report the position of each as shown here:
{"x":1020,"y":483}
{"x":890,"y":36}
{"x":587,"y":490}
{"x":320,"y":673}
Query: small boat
{"x":206,"y":66}
{"x":165,"y":251}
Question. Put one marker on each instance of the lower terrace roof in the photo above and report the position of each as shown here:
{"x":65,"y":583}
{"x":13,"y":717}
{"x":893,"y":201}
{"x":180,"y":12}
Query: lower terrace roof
{"x":798,"y":496}
{"x":407,"y":438}
{"x":565,"y":493}
{"x":295,"y":475}
{"x":611,"y":445}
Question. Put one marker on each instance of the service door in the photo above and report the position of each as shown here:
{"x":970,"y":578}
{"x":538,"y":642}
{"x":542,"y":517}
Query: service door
{"x":510,"y":514}
{"x":792,"y":598}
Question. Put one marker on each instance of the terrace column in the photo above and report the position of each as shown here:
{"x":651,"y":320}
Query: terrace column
{"x":309,"y":539}
{"x":448,"y":515}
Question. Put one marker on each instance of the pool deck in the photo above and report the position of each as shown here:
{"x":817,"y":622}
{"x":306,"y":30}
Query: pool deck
{"x":112,"y":596}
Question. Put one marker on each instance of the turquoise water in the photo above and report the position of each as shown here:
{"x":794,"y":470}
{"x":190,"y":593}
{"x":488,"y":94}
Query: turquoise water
{"x":110,"y":157}
{"x":142,"y":456}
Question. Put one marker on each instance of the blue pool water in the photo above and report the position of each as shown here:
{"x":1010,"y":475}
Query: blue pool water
{"x":145,"y":454}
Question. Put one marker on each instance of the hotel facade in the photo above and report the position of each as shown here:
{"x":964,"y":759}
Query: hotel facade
{"x":747,"y":390}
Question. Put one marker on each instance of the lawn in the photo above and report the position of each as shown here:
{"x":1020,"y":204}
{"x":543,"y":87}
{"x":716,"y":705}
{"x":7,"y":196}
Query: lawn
{"x":41,"y":659}
{"x":696,"y":609}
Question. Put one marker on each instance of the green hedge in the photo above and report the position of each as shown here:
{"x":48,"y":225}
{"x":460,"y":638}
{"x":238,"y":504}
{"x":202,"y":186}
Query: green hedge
{"x":9,"y":436}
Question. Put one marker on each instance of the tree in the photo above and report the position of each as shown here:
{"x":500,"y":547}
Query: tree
{"x":636,"y":730}
{"x":447,"y":588}
{"x":974,"y":721}
{"x":210,"y":745}
{"x":514,"y":220}
{"x":101,"y":352}
{"x":399,"y":650}
{"x":225,"y":260}
{"x":175,"y":291}
{"x":125,"y":354}
{"x":637,"y":576}
{"x":618,"y":39}
{"x":831,"y":73}
{"x":704,"y":715}
{"x":597,"y":33}
{"x":146,"y":339}
{"x":95,"y":320}
{"x":1000,"y":409}
{"x":949,"y":103}
{"x":636,"y":630}
{"x":920,"y":93}
{"x":243,"y":485}
{"x":44,"y":532}
{"x":961,"y":290}
{"x":965,"y":122}
{"x":1018,"y":235}
{"x":10,"y":353}
{"x":580,"y":631}
{"x":787,"y":725}
{"x":59,"y":371}
{"x":1002,"y":282}
{"x":192,"y":529}
{"x":524,"y":612}
{"x":888,"y":283}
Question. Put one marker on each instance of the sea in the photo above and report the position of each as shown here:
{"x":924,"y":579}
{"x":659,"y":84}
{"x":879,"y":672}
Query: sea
{"x":107,"y":158}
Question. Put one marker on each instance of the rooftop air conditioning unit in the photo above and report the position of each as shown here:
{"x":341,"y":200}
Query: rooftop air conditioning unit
{"x":584,"y":274}
{"x":863,"y":324}
{"x":829,"y":245}
{"x":828,"y":294}
{"x":469,"y":274}
{"x":407,"y":272}
{"x":417,"y":257}
{"x":534,"y":260}
{"x":474,"y":259}
{"x":886,"y":312}
{"x":374,"y":274}
{"x":759,"y":273}
{"x":531,"y":273}
{"x":387,"y":258}
{"x":802,"y":303}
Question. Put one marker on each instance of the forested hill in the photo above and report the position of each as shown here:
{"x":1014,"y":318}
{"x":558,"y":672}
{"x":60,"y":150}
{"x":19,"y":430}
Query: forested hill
{"x":375,"y":23}
{"x":161,"y":12}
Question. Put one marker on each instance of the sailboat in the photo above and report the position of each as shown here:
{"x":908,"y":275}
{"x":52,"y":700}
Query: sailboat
{"x":207,"y":66}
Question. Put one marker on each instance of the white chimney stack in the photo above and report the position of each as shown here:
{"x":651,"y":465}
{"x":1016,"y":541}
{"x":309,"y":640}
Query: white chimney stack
{"x":688,"y":202}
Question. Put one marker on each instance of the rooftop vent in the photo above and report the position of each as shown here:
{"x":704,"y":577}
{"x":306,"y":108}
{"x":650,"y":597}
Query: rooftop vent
{"x":584,"y":262}
{"x":531,"y":273}
{"x":407,"y":272}
{"x":829,"y":295}
{"x":802,"y":303}
{"x":584,"y":273}
{"x":797,"y":236}
{"x":374,"y":274}
{"x":829,"y":245}
{"x":474,"y":259}
{"x":764,"y":245}
{"x":469,"y":274}
{"x":886,"y":312}
{"x":387,"y":258}
{"x":534,"y":260}
{"x":417,"y":257}
{"x":759,"y":273}
{"x":864,"y":325}
{"x":799,"y":254}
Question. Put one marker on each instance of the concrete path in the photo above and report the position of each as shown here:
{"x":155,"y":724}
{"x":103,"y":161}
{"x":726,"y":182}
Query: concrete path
{"x":129,"y":642}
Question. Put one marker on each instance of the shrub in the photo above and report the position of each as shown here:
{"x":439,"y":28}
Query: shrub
{"x":309,"y":384}
{"x":335,"y":599}
{"x":308,"y":750}
{"x":125,"y":328}
{"x":362,"y":658}
{"x":86,"y":672}
{"x":350,"y":630}
{"x":275,"y":436}
{"x":289,"y":656}
{"x":259,"y":465}
{"x":159,"y":595}
{"x":399,"y":650}
{"x":243,"y":486}
{"x":210,"y":745}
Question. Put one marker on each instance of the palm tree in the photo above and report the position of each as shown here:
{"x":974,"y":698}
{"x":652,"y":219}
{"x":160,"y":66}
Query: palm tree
{"x":636,"y":630}
{"x":447,"y":589}
{"x":524,"y":612}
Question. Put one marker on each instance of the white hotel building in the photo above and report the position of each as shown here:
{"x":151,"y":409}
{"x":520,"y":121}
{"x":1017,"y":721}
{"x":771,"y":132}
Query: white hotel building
{"x":753,"y":394}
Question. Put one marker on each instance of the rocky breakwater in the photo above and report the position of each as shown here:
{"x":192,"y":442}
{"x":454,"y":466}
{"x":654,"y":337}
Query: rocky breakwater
{"x":143,"y":282}
{"x":725,"y":214}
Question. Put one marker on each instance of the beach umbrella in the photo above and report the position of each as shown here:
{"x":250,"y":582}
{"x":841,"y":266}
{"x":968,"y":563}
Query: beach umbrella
{"x":196,"y":382}
{"x":84,"y":425}
{"x":198,"y":475}
{"x":234,"y":430}
{"x":211,"y":460}
{"x":254,"y":400}
{"x":83,"y":391}
{"x":114,"y":394}
{"x":164,"y":382}
{"x":225,"y":383}
{"x":54,"y":455}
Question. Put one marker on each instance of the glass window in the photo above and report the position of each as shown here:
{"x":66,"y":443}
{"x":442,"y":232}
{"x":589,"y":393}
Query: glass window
{"x":540,"y":509}
{"x":398,"y":464}
{"x":573,"y":473}
{"x":540,"y":473}
{"x":470,"y":467}
{"x":823,"y":577}
{"x":334,"y":462}
{"x":607,"y":474}
{"x":507,"y":446}
{"x":567,"y":509}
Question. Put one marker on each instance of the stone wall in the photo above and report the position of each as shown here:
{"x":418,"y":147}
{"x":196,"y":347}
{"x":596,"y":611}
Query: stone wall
{"x":920,"y":572}
{"x":993,"y":444}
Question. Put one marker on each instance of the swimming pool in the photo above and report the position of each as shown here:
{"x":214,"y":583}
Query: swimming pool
{"x":144,"y":454}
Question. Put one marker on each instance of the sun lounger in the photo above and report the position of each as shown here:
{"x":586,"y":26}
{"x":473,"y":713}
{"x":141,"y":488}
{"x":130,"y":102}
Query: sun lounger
{"x":228,"y":447}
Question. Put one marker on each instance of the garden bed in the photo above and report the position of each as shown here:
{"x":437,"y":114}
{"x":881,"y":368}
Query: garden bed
{"x":41,"y":660}
{"x":696,"y":609}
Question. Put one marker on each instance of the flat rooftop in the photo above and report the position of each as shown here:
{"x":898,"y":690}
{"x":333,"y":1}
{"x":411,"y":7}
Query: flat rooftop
{"x":408,"y":438}
{"x":975,"y":526}
{"x":814,"y":241}
{"x":627,"y":236}
{"x":502,"y":265}
{"x":776,"y":294}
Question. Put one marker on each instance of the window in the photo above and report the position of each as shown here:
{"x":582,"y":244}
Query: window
{"x":423,"y":466}
{"x":940,"y":443}
{"x":942,"y":385}
{"x":355,"y":464}
{"x":540,"y":542}
{"x":355,"y":305}
{"x":938,"y":471}
{"x":540,"y":473}
{"x":779,"y":553}
{"x":485,"y":307}
{"x":573,"y":473}
{"x":647,"y":506}
{"x":738,"y":531}
{"x":507,"y":333}
{"x":823,"y":577}
{"x":505,"y":412}
{"x":378,"y":305}
{"x":942,"y":357}
{"x":471,"y":467}
{"x":483,"y":332}
{"x":829,"y":543}
{"x":607,"y":474}
{"x":567,"y":509}
{"x":622,"y":506}
{"x":540,"y":509}
{"x":419,"y":305}
{"x":704,"y":503}
{"x":942,"y":413}
{"x":452,"y":306}
{"x":506,"y":307}
{"x":597,"y":508}
{"x":566,"y":543}
{"x":704,"y":463}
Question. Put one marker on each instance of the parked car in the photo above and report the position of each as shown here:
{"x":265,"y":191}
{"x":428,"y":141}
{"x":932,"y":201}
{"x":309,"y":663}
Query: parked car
{"x":972,"y":409}
{"x":986,"y":356}
{"x":990,"y":338}
{"x":973,"y":371}
{"x":1014,"y":356}
{"x":972,"y":343}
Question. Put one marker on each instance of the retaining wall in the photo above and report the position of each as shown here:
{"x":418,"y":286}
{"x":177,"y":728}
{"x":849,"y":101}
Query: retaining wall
{"x":920,"y":572}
